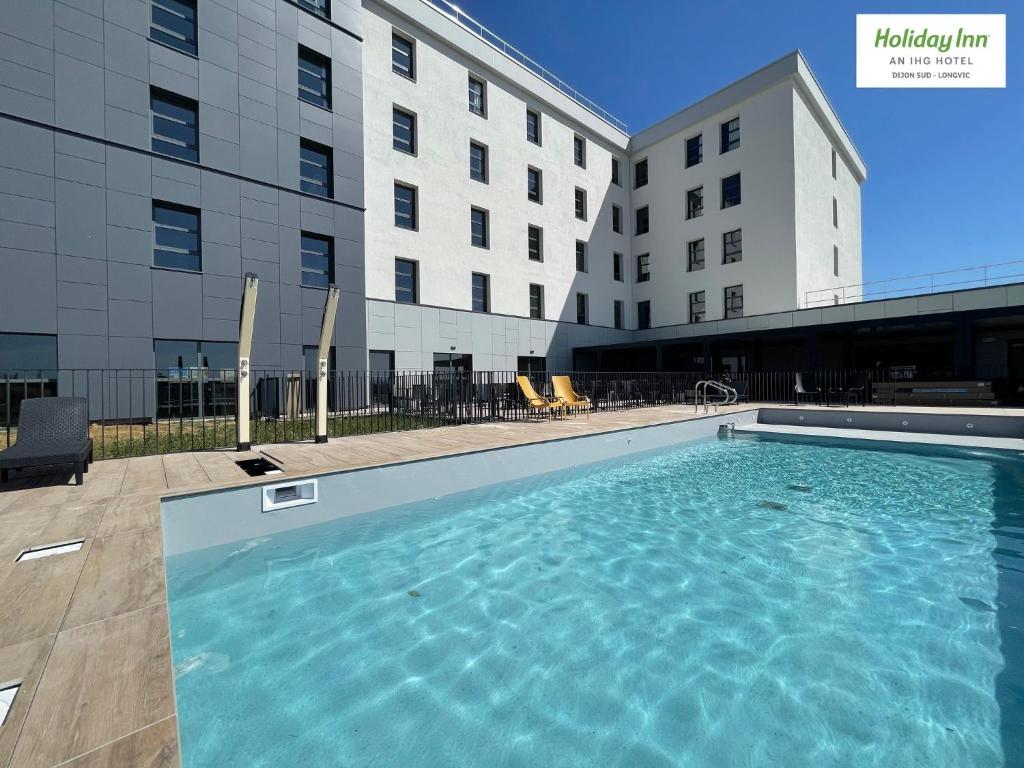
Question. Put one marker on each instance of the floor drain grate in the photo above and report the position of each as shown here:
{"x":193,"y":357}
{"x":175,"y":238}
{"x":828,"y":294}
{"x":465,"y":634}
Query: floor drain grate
{"x":7,"y":700}
{"x":47,"y":550}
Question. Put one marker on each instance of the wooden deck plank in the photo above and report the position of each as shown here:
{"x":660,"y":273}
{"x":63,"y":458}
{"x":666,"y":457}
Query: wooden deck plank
{"x":22,"y":661}
{"x":144,"y":473}
{"x":155,"y":746}
{"x":182,"y":470}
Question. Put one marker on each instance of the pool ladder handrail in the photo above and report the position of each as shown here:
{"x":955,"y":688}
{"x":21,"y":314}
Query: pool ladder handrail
{"x":729,"y":394}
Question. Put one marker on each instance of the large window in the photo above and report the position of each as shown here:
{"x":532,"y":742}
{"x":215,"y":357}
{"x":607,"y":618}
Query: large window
{"x":403,"y":131}
{"x":174,"y":23}
{"x":732,"y":246}
{"x":317,"y":260}
{"x":582,"y":305}
{"x":177,"y":243}
{"x":477,"y":162}
{"x":581,"y":204}
{"x":616,"y":219}
{"x":617,"y":313}
{"x":617,"y":267}
{"x":640,"y":174}
{"x":694,"y":150}
{"x":181,"y":391}
{"x":733,"y":301}
{"x":581,"y":256}
{"x":536,"y":301}
{"x":479,"y":226}
{"x":316,"y":169}
{"x":405,"y":206}
{"x":535,"y":243}
{"x":533,"y":126}
{"x":730,"y":135}
{"x":321,"y":8}
{"x":406,"y":281}
{"x":616,"y":172}
{"x":731,"y":191}
{"x":697,"y":311}
{"x":314,"y":78}
{"x":403,"y":56}
{"x":643,"y":267}
{"x":481,"y":292}
{"x":534,"y":185}
{"x":643,"y":220}
{"x":695,"y":203}
{"x":579,"y":151}
{"x":477,"y":96}
{"x":643,"y":315}
{"x":175,"y":125}
{"x":695,"y":255}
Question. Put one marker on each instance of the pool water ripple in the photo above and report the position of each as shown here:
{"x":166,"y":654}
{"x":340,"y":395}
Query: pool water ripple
{"x":642,"y":613}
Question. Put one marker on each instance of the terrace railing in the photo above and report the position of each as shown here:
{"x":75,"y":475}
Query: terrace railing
{"x":142,"y":411}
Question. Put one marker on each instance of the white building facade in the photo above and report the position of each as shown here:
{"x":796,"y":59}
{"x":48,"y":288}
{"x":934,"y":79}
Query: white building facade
{"x":507,"y":223}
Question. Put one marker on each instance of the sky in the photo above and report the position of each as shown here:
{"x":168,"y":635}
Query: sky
{"x":944,"y":165}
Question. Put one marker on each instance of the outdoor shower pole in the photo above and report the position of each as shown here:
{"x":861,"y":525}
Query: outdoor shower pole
{"x":250,"y":288}
{"x":323,"y":357}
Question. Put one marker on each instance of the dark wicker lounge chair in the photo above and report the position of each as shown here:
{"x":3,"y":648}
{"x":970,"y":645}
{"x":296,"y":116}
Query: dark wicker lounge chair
{"x":52,"y":431}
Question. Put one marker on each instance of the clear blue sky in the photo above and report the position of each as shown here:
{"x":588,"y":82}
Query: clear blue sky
{"x":944,"y":185}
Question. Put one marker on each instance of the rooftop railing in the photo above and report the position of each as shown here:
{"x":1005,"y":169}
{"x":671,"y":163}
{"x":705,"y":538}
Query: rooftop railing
{"x":984,"y":275}
{"x":477,"y":29}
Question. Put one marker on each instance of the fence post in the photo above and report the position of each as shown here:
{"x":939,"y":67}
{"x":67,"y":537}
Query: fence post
{"x":250,"y":288}
{"x":326,"y":332}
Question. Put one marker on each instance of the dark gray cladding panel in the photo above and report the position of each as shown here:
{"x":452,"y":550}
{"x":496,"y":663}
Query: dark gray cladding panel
{"x":975,"y":425}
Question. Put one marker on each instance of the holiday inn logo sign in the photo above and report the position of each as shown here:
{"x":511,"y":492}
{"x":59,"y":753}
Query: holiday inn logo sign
{"x":931,"y":51}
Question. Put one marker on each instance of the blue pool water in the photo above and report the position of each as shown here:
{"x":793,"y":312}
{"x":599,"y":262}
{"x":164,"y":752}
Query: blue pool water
{"x":725,"y":603}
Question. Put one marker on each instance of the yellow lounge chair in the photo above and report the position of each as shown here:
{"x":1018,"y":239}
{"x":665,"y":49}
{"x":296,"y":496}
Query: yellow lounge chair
{"x":564,"y":391}
{"x":536,"y":403}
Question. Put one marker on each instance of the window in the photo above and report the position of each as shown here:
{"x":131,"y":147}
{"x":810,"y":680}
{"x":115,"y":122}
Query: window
{"x":835,"y":260}
{"x":616,"y":180}
{"x":317,"y":261}
{"x":730,"y":135}
{"x":732,"y":246}
{"x":177,"y":244}
{"x":403,"y":56}
{"x":697,"y":307}
{"x":406,"y":281}
{"x":733,"y":301}
{"x":533,"y":126}
{"x":314,"y":78}
{"x":581,"y":308}
{"x":453,"y":362}
{"x":319,"y":7}
{"x":529,"y":364}
{"x":534,"y":185}
{"x":643,"y":315}
{"x":477,"y":162}
{"x":481,"y":292}
{"x":731,"y":191}
{"x":695,"y":255}
{"x":403,"y":131}
{"x":381,"y":361}
{"x":536,"y":301}
{"x":581,"y":204}
{"x":173,"y":23}
{"x":175,"y":125}
{"x":834,"y":165}
{"x":581,"y":256}
{"x":535,"y":243}
{"x":405,"y":206}
{"x":695,"y":203}
{"x":643,"y":267}
{"x":640,"y":174}
{"x":694,"y":150}
{"x":478,"y":227}
{"x":616,"y":219}
{"x":835,"y":213}
{"x":579,"y":151}
{"x":477,"y":97}
{"x":617,"y":267}
{"x":617,"y":307}
{"x":316,"y":171}
{"x":643,"y":220}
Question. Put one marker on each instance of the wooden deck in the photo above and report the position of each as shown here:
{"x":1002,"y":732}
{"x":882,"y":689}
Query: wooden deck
{"x":86,"y":633}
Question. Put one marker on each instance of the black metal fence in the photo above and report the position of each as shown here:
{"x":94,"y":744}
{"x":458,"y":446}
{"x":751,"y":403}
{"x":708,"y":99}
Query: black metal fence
{"x":137,"y":412}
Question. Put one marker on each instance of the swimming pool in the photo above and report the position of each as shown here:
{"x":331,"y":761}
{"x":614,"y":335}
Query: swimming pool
{"x":722,"y":602}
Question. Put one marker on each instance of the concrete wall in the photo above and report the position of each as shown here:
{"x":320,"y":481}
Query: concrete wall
{"x":78,"y":178}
